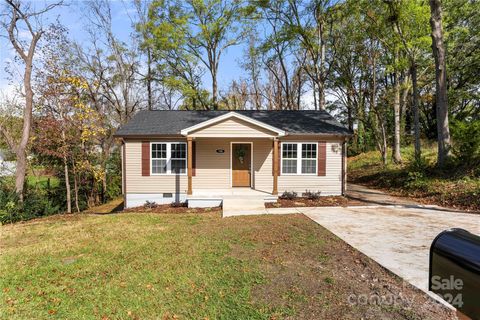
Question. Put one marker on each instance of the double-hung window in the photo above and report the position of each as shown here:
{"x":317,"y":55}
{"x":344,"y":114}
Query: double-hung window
{"x":178,"y":153}
{"x":169,"y":158}
{"x":299,"y":158}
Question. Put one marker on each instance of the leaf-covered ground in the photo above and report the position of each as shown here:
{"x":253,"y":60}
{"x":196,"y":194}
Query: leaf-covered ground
{"x":454,"y":187}
{"x":193,"y":266}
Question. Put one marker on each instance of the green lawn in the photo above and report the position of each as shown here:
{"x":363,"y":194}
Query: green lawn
{"x":42,"y":181}
{"x":36,"y":181}
{"x":186,"y":266}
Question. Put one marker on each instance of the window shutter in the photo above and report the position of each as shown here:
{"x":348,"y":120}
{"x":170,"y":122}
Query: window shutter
{"x":145,"y":158}
{"x":194,"y":158}
{"x":322,"y":158}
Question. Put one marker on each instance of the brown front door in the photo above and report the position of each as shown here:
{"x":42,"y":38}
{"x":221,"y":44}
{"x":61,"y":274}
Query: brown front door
{"x":241,"y":163}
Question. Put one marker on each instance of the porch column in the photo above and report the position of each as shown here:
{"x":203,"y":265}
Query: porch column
{"x":189,"y":164}
{"x":275,"y":166}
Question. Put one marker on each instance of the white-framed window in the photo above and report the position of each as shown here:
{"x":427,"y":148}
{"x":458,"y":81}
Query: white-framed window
{"x":299,"y":158}
{"x":168,"y":158}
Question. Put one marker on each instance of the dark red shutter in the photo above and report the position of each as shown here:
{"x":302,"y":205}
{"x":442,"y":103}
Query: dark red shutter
{"x":194,"y":158}
{"x":145,"y":158}
{"x":322,"y":158}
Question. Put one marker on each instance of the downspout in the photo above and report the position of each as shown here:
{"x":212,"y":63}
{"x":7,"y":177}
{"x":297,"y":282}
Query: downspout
{"x":124,"y":178}
{"x":344,"y":167}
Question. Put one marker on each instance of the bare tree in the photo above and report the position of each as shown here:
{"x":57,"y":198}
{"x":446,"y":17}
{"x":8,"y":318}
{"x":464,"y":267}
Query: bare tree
{"x":252,"y":65}
{"x":111,"y":68}
{"x":19,"y":17}
{"x":397,"y":156}
{"x":441,"y":101}
{"x":310,"y":22}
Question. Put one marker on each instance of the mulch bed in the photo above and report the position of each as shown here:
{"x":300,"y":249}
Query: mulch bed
{"x":333,"y":201}
{"x":173,"y":208}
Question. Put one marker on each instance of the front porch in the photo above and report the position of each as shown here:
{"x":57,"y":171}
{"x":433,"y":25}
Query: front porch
{"x":232,"y":151}
{"x":215,"y":170}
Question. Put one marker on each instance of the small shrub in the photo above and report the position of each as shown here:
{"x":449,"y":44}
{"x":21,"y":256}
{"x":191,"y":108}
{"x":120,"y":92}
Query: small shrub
{"x":311,"y":195}
{"x":178,"y":204}
{"x":416,"y":181}
{"x":420,"y":165}
{"x":466,"y":138}
{"x":10,"y":213}
{"x":288,"y":195}
{"x":150,"y":204}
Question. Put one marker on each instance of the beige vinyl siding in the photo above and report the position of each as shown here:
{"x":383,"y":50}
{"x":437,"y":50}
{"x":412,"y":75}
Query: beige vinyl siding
{"x":212,"y":168}
{"x":330,"y":184}
{"x":232,"y":128}
{"x":136,"y":183}
{"x":262,"y":164}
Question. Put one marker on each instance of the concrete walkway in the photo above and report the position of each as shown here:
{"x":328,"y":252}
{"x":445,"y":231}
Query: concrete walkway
{"x":398,"y":238}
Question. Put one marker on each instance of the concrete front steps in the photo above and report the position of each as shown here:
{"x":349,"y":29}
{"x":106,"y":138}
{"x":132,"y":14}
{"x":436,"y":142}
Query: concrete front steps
{"x":239,"y":206}
{"x":235,"y":201}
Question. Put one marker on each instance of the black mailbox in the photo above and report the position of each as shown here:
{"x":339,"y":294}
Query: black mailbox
{"x":455,"y":270}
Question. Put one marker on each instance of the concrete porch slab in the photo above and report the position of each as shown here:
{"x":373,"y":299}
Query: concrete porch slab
{"x":235,"y":201}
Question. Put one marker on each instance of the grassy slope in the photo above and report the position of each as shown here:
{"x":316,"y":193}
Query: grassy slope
{"x":154,"y":266}
{"x":452,"y":187}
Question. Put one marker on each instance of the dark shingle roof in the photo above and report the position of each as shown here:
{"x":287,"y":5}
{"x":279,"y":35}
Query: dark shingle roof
{"x":166,"y":122}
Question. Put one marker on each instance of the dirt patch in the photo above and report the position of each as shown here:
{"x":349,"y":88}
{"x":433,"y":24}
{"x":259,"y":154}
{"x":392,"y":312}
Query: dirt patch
{"x":333,"y":201}
{"x":314,"y":275}
{"x":173,"y":208}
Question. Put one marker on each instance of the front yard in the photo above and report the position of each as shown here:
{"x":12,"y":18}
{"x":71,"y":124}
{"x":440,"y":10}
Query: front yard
{"x":187,"y":266}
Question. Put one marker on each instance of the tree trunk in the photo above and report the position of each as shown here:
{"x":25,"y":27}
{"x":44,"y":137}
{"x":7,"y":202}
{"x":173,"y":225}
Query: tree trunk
{"x":75,"y":187}
{"x":214,"y":90}
{"x":381,"y":135}
{"x":397,"y":157}
{"x":416,"y":115}
{"x":67,"y":179}
{"x":149,"y":79}
{"x":403,"y":105}
{"x":384,"y":142}
{"x":104,"y":187}
{"x":21,"y":152}
{"x":321,"y":72}
{"x":20,"y":171}
{"x":443,"y":131}
{"x":67,"y":185}
{"x":321,"y":84}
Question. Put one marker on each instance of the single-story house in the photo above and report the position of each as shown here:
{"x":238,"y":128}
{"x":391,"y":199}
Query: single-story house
{"x":172,"y":156}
